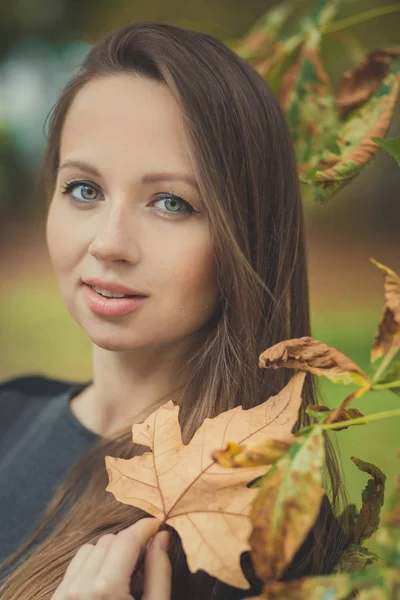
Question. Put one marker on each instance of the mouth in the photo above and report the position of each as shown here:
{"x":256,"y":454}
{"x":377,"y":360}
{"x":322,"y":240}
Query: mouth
{"x":112,"y":295}
{"x":109,"y":306}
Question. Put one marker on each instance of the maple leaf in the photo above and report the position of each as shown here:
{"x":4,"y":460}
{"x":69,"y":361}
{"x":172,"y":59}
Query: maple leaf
{"x":180,"y":484}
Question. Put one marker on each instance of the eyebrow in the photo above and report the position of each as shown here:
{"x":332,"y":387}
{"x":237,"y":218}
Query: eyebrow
{"x":147,"y":178}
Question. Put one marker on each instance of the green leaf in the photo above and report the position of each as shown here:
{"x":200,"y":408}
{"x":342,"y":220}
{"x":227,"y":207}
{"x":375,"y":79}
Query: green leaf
{"x":391,"y":375}
{"x":372,"y":501}
{"x":392,"y":146}
{"x":287,"y":506}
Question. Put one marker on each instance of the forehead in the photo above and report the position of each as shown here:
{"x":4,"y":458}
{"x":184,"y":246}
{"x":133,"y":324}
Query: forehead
{"x":127,"y":117}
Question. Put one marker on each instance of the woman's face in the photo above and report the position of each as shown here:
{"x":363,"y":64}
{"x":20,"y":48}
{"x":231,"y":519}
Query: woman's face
{"x":114,"y":217}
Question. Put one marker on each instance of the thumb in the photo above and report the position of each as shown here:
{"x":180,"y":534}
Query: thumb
{"x":157,"y":569}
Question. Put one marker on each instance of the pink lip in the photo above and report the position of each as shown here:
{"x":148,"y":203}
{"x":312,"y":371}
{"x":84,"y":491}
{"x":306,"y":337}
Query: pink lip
{"x":113,"y":307}
{"x":111,"y":286}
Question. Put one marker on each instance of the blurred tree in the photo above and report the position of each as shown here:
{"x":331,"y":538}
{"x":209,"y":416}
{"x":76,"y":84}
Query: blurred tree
{"x":43,"y":41}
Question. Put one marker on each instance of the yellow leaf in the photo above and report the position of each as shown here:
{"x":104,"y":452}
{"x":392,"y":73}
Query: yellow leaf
{"x":251,"y":455}
{"x":208,"y":505}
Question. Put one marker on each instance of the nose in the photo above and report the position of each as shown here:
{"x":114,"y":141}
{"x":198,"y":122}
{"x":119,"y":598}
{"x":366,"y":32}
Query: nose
{"x":117,"y":235}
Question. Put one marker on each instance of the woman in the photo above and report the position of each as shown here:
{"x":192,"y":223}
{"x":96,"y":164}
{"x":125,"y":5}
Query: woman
{"x":172,"y":178}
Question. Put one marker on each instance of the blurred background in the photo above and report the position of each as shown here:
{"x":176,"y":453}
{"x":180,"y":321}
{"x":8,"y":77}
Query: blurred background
{"x":41,"y":44}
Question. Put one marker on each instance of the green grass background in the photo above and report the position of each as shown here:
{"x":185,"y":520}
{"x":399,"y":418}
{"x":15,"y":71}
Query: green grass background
{"x":39,"y":336}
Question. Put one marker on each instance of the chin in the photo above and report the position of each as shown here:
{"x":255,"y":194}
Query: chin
{"x":115,"y":343}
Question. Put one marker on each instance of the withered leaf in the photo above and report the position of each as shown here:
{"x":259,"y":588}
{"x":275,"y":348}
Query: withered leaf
{"x":354,"y":558}
{"x":308,"y":354}
{"x":358,"y":84}
{"x":388,"y":337}
{"x":208,"y":505}
{"x":372,"y":501}
{"x":251,"y":455}
{"x":286,"y":506}
{"x":355,"y":138}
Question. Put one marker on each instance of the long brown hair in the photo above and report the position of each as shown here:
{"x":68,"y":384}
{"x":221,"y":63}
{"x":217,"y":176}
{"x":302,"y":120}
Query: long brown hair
{"x":246,"y":169}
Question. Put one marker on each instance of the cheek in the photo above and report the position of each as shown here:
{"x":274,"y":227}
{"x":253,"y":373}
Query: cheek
{"x":191,"y":279}
{"x":59,"y":238}
{"x":52,"y":235}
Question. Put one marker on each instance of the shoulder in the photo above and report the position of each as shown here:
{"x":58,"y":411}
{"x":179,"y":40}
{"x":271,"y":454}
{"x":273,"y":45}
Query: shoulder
{"x":22,"y":398}
{"x":35,"y":385}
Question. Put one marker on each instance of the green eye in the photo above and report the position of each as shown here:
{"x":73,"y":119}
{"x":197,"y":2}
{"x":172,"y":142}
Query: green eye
{"x":88,"y":192}
{"x":174,"y":205}
{"x":81,"y":191}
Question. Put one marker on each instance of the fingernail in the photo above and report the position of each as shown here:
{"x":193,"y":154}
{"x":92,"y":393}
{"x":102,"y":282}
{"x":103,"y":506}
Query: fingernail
{"x":163,"y":540}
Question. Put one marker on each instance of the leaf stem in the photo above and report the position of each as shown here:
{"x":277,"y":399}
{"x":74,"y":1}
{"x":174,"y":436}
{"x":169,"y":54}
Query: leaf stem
{"x":386,"y":386}
{"x":362,"y":17}
{"x":367,"y":418}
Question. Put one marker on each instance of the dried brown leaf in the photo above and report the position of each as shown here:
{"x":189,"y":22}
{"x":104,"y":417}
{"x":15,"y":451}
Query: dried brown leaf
{"x":308,"y":354}
{"x":358,"y":84}
{"x":372,"y":500}
{"x":208,"y":505}
{"x":387,"y":338}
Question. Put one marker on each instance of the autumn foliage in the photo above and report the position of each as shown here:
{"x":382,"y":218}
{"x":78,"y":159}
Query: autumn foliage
{"x":246,"y":481}
{"x":202,"y":490}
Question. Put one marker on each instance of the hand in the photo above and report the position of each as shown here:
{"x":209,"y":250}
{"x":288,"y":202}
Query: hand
{"x":103,"y":571}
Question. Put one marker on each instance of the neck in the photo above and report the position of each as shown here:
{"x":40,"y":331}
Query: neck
{"x":128,"y":386}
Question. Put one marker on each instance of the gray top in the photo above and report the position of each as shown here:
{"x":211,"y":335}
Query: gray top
{"x":40,"y":441}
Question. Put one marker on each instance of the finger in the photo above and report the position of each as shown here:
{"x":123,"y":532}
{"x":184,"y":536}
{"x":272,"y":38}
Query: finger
{"x":95,"y":560}
{"x":74,"y":567}
{"x":157,"y":569}
{"x":126,"y":548}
